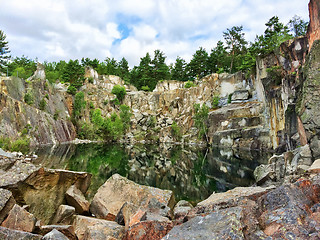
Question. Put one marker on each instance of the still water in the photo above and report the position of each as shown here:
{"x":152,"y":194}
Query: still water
{"x":192,"y":173}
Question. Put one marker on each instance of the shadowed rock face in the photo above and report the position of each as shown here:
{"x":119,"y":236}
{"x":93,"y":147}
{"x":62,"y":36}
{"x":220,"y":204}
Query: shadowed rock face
{"x":314,"y":25}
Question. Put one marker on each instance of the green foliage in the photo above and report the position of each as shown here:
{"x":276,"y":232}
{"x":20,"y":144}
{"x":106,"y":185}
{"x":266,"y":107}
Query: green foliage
{"x":298,"y":26}
{"x":42,"y":104}
{"x":119,"y":91}
{"x":152,"y":121}
{"x":29,"y":97}
{"x":73,"y":72}
{"x":145,"y":88}
{"x":24,"y":66}
{"x":200,"y":118}
{"x":198,"y":66}
{"x":125,"y":115}
{"x":215,"y":102}
{"x":275,"y":74}
{"x":96,"y":118}
{"x":219,"y":60}
{"x":189,"y":84}
{"x":113,"y":127}
{"x":72,"y":90}
{"x":4,"y":51}
{"x":230,"y":98}
{"x":91,"y":105}
{"x":105,"y":102}
{"x":176,"y":131}
{"x":115,"y":101}
{"x":179,"y":70}
{"x":22,"y":144}
{"x":56,"y":115}
{"x":87,"y":131}
{"x":90,"y":80}
{"x":79,"y":105}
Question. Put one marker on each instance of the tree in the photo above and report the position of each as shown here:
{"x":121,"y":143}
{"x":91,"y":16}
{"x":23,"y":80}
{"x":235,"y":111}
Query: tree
{"x":92,"y":63}
{"x":160,"y":68}
{"x":197,"y":68}
{"x":23,"y":67}
{"x":123,"y":69}
{"x":141,"y":76}
{"x":218,"y":61}
{"x":4,"y":51}
{"x":298,"y":26}
{"x":119,"y":91}
{"x":236,"y":42}
{"x":179,"y":70}
{"x":73,"y":72}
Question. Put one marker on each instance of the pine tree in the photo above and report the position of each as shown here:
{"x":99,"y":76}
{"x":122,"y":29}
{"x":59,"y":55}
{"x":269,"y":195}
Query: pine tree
{"x":179,"y":70}
{"x":123,"y":69}
{"x":160,"y":68}
{"x":4,"y":51}
{"x":197,"y":68}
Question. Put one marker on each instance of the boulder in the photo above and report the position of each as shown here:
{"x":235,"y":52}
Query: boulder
{"x":31,"y":185}
{"x":5,"y":154}
{"x":54,"y":235}
{"x":66,"y":230}
{"x":126,"y":212}
{"x":117,"y":190}
{"x":6,"y":233}
{"x":228,"y":199}
{"x":19,"y":219}
{"x":222,"y":224}
{"x":6,"y":203}
{"x":262,"y":173}
{"x":76,"y":199}
{"x":153,"y":228}
{"x":64,"y":215}
{"x":88,"y":228}
{"x":240,"y":95}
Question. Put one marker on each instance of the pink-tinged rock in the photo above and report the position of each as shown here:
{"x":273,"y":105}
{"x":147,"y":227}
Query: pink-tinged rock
{"x":19,"y":219}
{"x":87,"y":227}
{"x":150,"y":229}
{"x":314,"y":25}
{"x":7,"y":233}
{"x":117,"y":190}
{"x":6,"y":203}
{"x":315,"y":167}
{"x":76,"y":199}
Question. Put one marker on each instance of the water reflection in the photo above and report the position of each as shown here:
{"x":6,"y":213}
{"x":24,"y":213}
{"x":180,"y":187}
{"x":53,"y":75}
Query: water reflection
{"x":191,"y":173}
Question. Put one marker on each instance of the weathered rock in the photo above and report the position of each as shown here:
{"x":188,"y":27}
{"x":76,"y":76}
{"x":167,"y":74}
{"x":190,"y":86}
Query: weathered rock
{"x":315,"y":167}
{"x":6,"y":203}
{"x":46,"y":184}
{"x":6,"y":233}
{"x":222,"y":224}
{"x":88,"y":228}
{"x":64,"y":215}
{"x":5,"y":154}
{"x":117,"y":190}
{"x":19,"y":219}
{"x":76,"y":199}
{"x":54,"y":235}
{"x":66,"y":230}
{"x":126,"y":212}
{"x":313,"y":32}
{"x":228,"y":199}
{"x":262,"y":173}
{"x":240,"y":95}
{"x":181,"y":209}
{"x":149,"y":229}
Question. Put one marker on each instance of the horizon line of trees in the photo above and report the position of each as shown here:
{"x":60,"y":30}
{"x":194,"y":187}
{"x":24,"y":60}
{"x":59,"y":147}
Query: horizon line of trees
{"x":232,"y":54}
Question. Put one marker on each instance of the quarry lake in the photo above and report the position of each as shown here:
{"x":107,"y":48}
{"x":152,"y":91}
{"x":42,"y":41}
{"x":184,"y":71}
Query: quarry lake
{"x":191,"y":172}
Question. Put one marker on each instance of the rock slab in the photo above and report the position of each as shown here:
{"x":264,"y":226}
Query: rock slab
{"x":6,"y":203}
{"x":6,"y":233}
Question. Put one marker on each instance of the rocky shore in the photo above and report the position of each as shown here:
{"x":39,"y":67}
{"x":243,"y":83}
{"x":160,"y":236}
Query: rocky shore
{"x":38,"y":203}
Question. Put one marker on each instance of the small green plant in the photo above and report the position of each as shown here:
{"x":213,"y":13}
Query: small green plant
{"x":152,"y":121}
{"x":176,"y":131}
{"x":105,"y":102}
{"x":29,"y":98}
{"x":275,"y":74}
{"x":125,"y":115}
{"x":22,"y":144}
{"x":200,"y":120}
{"x":230,"y":98}
{"x":91,"y":105}
{"x":119,"y":91}
{"x":72,"y":90}
{"x":79,"y":104}
{"x":189,"y":84}
{"x":47,"y":96}
{"x":56,"y":115}
{"x":215,"y":102}
{"x":42,"y":104}
{"x":115,"y":101}
{"x":145,"y":88}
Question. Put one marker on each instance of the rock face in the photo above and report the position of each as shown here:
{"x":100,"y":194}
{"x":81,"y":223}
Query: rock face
{"x":76,"y":199}
{"x":117,"y":190}
{"x":314,"y":24}
{"x":6,"y":233}
{"x":47,"y":126}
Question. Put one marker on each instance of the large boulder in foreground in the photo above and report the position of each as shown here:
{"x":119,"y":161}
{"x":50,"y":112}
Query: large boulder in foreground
{"x":6,"y":233}
{"x":118,"y":190}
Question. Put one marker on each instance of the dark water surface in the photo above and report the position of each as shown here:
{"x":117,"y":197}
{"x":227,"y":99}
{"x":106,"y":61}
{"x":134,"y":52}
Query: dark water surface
{"x":192,"y":173}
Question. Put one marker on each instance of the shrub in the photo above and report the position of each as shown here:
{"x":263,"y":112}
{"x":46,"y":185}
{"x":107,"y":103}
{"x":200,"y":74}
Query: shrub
{"x":105,"y":102}
{"x":72,"y":90}
{"x":29,"y":98}
{"x":96,"y":118}
{"x":176,"y":131}
{"x":229,"y":98}
{"x":189,"y":84}
{"x":56,"y":115}
{"x":79,"y":104}
{"x":215,"y":101}
{"x":200,"y":118}
{"x":20,"y":145}
{"x":115,"y":101}
{"x":90,"y":79}
{"x":125,"y":115}
{"x":42,"y":104}
{"x":119,"y":91}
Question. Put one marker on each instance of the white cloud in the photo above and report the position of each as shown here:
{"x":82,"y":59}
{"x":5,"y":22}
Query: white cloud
{"x":63,"y":29}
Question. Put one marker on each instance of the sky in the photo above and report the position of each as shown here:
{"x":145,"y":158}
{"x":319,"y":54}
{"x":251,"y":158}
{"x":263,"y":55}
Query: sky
{"x":54,"y":30}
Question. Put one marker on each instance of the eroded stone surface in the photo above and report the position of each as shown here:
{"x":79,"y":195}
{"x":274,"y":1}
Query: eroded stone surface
{"x":64,"y":215}
{"x":76,"y":199}
{"x":6,"y":203}
{"x":54,"y":235}
{"x":6,"y":233}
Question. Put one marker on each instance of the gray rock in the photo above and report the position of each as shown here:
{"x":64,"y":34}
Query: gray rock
{"x":6,"y":233}
{"x":64,"y":214}
{"x":54,"y":235}
{"x":262,"y":173}
{"x":76,"y":199}
{"x":5,"y":154}
{"x":223,"y":224}
{"x":240,"y":95}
